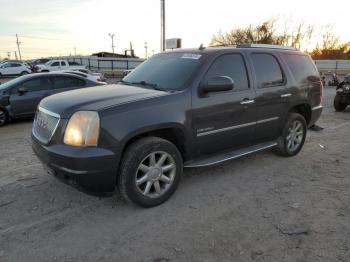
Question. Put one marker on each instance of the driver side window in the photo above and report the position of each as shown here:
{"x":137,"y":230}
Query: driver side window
{"x":233,"y":66}
{"x":33,"y":85}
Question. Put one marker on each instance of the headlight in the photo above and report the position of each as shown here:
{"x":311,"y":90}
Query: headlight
{"x":83,"y":129}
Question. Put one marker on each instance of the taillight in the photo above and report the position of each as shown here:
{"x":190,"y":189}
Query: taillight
{"x":321,"y":91}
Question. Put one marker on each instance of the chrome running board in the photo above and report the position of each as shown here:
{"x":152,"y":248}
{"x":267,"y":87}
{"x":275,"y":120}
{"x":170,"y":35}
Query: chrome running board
{"x":222,"y":157}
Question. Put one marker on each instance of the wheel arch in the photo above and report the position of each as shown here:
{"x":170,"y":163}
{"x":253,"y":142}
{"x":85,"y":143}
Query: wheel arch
{"x":7,"y":114}
{"x":174,"y":133}
{"x":303,"y":109}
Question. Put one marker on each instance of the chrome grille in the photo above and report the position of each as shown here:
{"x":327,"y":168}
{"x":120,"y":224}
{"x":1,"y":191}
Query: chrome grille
{"x":45,"y":124}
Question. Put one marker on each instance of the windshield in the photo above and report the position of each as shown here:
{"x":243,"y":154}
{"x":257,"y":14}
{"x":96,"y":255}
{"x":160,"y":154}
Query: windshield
{"x":10,"y":83}
{"x":166,"y":71}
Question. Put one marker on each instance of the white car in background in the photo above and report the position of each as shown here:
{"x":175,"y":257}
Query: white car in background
{"x":89,"y":72}
{"x":57,"y":65}
{"x":14,"y":69}
{"x":94,"y":78}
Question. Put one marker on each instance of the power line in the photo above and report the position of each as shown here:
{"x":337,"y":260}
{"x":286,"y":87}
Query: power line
{"x":38,"y":37}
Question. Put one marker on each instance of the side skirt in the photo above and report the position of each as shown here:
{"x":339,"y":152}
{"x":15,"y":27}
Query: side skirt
{"x":222,"y":157}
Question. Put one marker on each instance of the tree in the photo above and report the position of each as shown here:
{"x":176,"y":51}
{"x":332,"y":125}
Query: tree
{"x":265,"y":33}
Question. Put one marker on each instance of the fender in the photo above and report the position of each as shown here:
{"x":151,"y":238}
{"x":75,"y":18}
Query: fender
{"x":156,"y":128}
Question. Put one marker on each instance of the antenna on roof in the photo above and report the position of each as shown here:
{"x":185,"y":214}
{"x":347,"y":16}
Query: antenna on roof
{"x":201,"y":47}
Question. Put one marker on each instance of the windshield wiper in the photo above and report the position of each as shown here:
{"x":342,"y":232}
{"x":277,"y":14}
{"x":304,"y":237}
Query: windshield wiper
{"x":144,"y":83}
{"x":125,"y":82}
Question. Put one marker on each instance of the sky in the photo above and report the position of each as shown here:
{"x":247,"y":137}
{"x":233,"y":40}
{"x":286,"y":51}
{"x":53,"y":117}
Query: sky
{"x":56,"y":27}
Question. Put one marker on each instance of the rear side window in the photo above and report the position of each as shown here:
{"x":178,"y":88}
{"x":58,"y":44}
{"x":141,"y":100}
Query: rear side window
{"x":55,"y":64}
{"x":68,"y":82}
{"x":63,"y":63}
{"x":233,"y":66}
{"x":302,"y":68}
{"x":37,"y":84}
{"x":267,"y":70}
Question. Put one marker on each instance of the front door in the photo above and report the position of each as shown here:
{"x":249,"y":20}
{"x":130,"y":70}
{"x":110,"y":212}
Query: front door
{"x":24,"y":104}
{"x":224,"y":120}
{"x":7,"y":69}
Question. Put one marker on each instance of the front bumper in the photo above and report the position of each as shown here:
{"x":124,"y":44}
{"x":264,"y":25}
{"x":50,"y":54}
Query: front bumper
{"x":93,"y":169}
{"x":315,"y":114}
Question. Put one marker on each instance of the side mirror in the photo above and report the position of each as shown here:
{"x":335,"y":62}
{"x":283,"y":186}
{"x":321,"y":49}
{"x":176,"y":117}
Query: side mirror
{"x":217,"y":84}
{"x":22,"y":90}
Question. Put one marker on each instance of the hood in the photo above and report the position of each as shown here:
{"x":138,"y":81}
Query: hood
{"x":96,"y":98}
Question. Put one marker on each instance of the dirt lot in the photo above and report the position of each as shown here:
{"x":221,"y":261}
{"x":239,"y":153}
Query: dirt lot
{"x":258,"y":208}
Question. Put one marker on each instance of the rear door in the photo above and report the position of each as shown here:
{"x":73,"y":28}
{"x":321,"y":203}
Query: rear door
{"x":64,"y":65}
{"x":224,"y":120}
{"x":25,"y":104}
{"x":66,"y":83}
{"x":17,"y":68}
{"x":271,"y":95}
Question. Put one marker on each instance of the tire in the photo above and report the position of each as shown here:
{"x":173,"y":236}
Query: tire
{"x":24,"y":73}
{"x":3,"y":117}
{"x":140,"y":178}
{"x":293,"y":136}
{"x":338,"y":105}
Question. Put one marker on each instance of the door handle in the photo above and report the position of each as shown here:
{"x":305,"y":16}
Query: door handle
{"x":247,"y":101}
{"x":286,"y":95}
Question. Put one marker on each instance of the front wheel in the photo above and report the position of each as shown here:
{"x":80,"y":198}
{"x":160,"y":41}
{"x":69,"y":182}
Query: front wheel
{"x":338,"y":105}
{"x":24,"y":73}
{"x":150,"y":171}
{"x":293,"y":136}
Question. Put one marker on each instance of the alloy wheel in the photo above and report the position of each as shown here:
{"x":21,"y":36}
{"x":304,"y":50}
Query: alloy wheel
{"x":2,"y":117}
{"x":295,"y":136}
{"x":155,"y":174}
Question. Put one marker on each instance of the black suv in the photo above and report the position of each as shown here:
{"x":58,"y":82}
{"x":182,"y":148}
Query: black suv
{"x":185,"y":108}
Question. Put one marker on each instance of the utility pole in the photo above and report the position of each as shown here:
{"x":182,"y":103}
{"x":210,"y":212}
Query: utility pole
{"x":16,"y":55}
{"x":19,"y":50}
{"x":75,"y":51}
{"x":132,"y":50}
{"x":162,"y":28}
{"x":146,"y":49}
{"x":112,"y":37}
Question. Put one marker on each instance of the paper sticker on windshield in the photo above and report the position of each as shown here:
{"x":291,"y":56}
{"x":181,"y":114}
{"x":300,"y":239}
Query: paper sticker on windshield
{"x":191,"y":56}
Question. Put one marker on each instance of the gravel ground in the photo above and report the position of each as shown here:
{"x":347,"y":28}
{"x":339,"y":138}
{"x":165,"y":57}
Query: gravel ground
{"x":257,"y":208}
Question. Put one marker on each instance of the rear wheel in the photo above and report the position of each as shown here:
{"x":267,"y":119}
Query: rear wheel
{"x":293,"y":136}
{"x":150,"y":171}
{"x":338,"y":105}
{"x":3,"y":117}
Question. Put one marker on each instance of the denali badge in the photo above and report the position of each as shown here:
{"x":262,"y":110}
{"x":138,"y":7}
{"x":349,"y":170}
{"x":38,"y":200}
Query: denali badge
{"x":41,"y":123}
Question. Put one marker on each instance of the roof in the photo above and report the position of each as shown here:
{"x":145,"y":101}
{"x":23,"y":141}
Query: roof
{"x":215,"y":49}
{"x":109,"y":54}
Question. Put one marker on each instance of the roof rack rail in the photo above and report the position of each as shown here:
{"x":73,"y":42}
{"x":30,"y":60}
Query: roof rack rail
{"x":266,"y":46}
